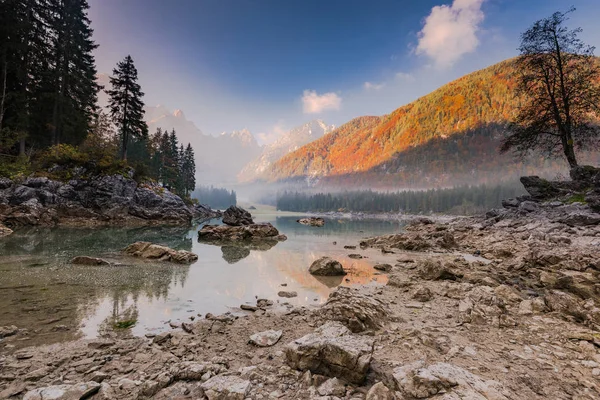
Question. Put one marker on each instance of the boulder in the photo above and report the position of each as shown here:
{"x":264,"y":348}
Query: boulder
{"x":326,"y":266}
{"x":4,"y":231}
{"x":332,"y":350}
{"x":64,"y":392}
{"x":379,"y":392}
{"x":416,"y":380}
{"x":383,"y":267}
{"x":581,"y":219}
{"x":157,"y":252}
{"x":85,"y":260}
{"x":266,"y":338}
{"x":585,"y":173}
{"x":237,"y":216}
{"x":433,"y":270}
{"x":8,"y":330}
{"x":356,"y":310}
{"x":226,"y":387}
{"x":540,"y":189}
{"x":312,"y":221}
{"x":287,"y":294}
{"x":224,"y":234}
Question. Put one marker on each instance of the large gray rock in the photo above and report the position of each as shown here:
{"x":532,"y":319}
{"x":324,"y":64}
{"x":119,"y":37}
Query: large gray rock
{"x":416,"y":380}
{"x":226,"y":387}
{"x":540,"y":189}
{"x":357,"y":311}
{"x":266,"y":338}
{"x":332,"y":350}
{"x":326,"y":266}
{"x":237,"y":216}
{"x":64,"y":392}
{"x":157,"y":252}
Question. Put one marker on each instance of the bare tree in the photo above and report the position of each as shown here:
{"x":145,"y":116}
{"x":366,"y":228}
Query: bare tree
{"x":559,"y":90}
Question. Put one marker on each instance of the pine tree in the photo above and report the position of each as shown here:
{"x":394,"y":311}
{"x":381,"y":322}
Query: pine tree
{"x":189,"y":170}
{"x":126,"y":106}
{"x":24,"y":62}
{"x":73,"y":73}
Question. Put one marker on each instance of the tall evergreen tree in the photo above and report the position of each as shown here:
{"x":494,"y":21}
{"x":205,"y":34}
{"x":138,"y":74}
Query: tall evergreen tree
{"x":24,"y":64}
{"x":125,"y":103}
{"x":189,"y":170}
{"x":73,"y":74}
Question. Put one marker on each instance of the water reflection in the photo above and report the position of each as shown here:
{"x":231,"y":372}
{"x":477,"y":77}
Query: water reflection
{"x":42,"y":292}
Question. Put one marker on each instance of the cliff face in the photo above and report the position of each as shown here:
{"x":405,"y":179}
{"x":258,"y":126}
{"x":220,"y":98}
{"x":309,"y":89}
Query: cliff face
{"x":105,"y":200}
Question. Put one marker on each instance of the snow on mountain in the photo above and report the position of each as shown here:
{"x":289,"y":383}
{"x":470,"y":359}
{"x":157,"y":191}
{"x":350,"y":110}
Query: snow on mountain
{"x":287,"y":143}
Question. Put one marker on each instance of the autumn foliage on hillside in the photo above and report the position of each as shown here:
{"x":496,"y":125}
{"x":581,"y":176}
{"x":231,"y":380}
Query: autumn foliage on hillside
{"x":479,"y":100}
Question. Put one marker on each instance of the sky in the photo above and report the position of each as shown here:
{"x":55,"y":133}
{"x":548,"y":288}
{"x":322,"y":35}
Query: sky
{"x":271,"y":65}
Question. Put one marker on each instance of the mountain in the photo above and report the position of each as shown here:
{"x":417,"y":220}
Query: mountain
{"x":447,"y":137}
{"x":287,"y":143}
{"x":218,"y":158}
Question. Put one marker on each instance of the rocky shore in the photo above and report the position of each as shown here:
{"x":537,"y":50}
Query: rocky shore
{"x":501,"y":306}
{"x":104,"y":200}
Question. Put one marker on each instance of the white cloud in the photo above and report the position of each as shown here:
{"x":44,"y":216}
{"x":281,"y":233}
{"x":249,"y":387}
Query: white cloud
{"x":373,"y":86}
{"x":451,"y":31}
{"x":404,"y":76}
{"x":316,"y":103}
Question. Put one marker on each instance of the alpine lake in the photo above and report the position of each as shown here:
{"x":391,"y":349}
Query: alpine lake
{"x":54,"y":301}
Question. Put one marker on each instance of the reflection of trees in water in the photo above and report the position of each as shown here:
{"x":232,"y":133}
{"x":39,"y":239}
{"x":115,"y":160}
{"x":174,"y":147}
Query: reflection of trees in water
{"x":40,"y":288}
{"x":69,"y":241}
{"x":333,"y":227}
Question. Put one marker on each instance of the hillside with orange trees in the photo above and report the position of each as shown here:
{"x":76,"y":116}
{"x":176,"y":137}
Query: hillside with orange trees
{"x":482,"y":101}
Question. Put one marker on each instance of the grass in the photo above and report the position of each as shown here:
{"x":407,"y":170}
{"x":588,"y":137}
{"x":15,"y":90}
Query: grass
{"x":125,"y":324}
{"x":576,"y":198}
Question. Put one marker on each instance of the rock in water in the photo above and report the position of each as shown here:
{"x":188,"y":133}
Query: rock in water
{"x":266,"y":338}
{"x":383,"y":267}
{"x":224,"y":234}
{"x":64,"y":392}
{"x":157,"y":252}
{"x":226,"y":387}
{"x":311,"y":221}
{"x":85,"y":260}
{"x":332,"y":350}
{"x":4,"y":231}
{"x":326,"y":266}
{"x":288,"y":295}
{"x":237,"y":216}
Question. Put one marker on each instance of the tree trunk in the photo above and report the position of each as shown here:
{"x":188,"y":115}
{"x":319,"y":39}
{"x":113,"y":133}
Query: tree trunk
{"x":3,"y":98}
{"x":569,"y":152}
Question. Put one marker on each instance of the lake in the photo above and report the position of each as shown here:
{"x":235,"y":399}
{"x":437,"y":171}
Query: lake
{"x":56,"y":301}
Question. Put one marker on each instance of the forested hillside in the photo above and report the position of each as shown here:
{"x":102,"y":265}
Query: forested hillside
{"x":447,"y":137}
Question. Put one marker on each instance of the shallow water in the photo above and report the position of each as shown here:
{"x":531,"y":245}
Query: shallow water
{"x":55,"y":301}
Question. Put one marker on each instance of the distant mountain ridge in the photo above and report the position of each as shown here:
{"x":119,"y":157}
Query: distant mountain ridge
{"x":285,"y":144}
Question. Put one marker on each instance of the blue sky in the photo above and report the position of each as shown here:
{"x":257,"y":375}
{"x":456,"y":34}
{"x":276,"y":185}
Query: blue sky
{"x":269,"y":65}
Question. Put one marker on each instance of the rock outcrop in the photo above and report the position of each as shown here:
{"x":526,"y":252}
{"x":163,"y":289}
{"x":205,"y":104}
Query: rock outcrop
{"x":85,"y":260}
{"x":326,"y":266}
{"x":332,"y":350}
{"x":162,"y":253}
{"x":104,"y":200}
{"x":223,"y":234}
{"x":237,"y":216}
{"x":355,"y":310}
{"x":312,"y":221}
{"x":4,"y":231}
